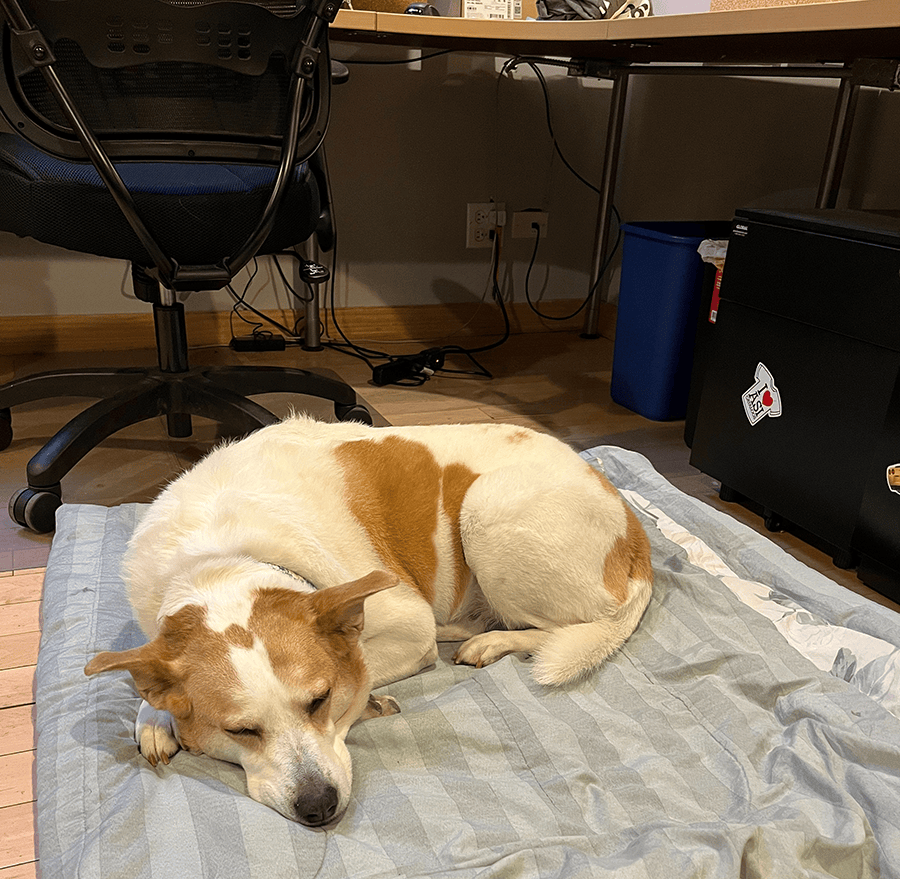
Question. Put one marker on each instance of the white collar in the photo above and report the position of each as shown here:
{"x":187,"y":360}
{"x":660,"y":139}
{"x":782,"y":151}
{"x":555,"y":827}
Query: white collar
{"x":305,"y":586}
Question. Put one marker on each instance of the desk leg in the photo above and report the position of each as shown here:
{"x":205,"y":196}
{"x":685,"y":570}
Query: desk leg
{"x":838,"y":142}
{"x":607,"y":193}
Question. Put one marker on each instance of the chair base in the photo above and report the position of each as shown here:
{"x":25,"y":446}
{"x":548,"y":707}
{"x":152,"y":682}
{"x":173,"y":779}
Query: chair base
{"x":129,"y":396}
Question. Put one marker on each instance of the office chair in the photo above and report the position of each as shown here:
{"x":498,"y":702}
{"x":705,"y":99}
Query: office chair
{"x":183,"y":136}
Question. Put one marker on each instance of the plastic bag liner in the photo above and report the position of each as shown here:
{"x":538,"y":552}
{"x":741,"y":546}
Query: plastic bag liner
{"x":713,"y":251}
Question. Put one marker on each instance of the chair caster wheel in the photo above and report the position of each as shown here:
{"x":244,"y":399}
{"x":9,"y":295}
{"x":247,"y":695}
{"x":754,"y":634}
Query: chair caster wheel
{"x":352,"y":413}
{"x":5,"y":429}
{"x":35,"y":509}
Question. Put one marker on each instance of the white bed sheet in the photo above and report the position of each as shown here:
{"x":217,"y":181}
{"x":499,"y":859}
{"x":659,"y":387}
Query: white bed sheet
{"x":746,"y":729}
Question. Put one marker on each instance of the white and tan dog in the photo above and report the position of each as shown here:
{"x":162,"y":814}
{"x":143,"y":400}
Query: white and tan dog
{"x":249,"y":574}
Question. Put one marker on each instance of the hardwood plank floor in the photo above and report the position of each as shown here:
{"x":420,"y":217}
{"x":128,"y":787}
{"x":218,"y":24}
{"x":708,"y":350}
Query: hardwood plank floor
{"x":554,"y":382}
{"x":19,"y":632}
{"x":16,"y":782}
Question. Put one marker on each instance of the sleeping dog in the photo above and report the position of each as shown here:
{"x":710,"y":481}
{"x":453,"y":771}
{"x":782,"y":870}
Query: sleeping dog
{"x":288,"y":574}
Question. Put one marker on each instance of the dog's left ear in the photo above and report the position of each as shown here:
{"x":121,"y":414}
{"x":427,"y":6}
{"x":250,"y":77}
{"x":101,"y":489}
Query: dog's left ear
{"x":340,"y":609}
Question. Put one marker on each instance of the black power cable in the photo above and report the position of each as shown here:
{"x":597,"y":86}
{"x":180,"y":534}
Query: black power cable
{"x":533,"y":62}
{"x":416,"y":369}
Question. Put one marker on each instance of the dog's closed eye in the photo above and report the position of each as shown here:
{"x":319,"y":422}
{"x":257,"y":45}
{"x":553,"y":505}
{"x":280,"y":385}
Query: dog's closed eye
{"x":318,"y":702}
{"x":245,"y":732}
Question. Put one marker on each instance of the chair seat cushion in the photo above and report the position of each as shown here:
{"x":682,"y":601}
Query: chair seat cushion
{"x":200,"y":213}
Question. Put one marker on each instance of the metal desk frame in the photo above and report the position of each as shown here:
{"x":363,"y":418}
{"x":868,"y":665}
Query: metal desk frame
{"x":868,"y":72}
{"x":856,"y":42}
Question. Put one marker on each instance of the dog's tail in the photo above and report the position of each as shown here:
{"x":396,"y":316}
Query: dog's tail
{"x":571,"y":652}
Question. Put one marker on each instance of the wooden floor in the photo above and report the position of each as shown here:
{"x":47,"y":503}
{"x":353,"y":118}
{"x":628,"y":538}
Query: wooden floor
{"x":555,"y":382}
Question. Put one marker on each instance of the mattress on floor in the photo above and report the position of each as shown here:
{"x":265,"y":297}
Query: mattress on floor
{"x":750,"y":727}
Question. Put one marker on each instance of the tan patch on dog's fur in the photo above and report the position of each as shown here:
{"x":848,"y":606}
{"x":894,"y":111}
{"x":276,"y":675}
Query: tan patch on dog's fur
{"x":205,"y":667}
{"x":186,"y":658}
{"x":331,"y":659}
{"x":603,"y":480}
{"x":323,"y":647}
{"x":238,"y":636}
{"x":519,"y":436}
{"x":188,"y":668}
{"x":285,"y":641}
{"x":455,"y":484}
{"x":628,"y":558}
{"x":194,"y":652}
{"x":392,"y":489}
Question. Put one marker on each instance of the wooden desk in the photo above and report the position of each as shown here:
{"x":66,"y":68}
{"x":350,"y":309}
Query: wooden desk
{"x":836,"y":31}
{"x":833,"y":39}
{"x":841,"y":31}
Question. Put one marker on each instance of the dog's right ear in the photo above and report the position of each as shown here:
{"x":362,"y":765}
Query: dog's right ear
{"x":152,"y":674}
{"x":154,"y":667}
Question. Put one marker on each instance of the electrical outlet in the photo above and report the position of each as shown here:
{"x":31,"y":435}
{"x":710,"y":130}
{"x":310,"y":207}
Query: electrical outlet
{"x":482,"y":218}
{"x":523,"y":220}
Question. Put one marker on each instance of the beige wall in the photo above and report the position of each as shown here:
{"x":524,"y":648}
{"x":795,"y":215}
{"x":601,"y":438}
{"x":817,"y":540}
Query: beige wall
{"x":409,"y":147}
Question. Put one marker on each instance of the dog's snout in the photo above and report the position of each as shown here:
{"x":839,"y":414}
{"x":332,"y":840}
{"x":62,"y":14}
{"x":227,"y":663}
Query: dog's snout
{"x":317,"y":807}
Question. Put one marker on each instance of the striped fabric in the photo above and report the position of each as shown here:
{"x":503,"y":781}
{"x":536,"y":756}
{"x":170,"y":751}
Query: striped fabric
{"x":709,"y":746}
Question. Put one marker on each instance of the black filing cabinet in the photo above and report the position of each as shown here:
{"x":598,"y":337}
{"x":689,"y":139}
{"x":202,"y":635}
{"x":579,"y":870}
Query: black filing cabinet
{"x":800,"y":404}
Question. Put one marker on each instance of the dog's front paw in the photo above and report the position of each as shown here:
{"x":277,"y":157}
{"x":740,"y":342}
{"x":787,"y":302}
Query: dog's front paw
{"x":380,"y":706}
{"x":155,"y":734}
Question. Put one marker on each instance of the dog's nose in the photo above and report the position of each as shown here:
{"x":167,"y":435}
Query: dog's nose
{"x":315,"y":808}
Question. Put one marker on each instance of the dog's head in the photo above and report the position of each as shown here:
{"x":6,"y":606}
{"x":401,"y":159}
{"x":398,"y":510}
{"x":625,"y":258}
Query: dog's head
{"x":275,"y":694}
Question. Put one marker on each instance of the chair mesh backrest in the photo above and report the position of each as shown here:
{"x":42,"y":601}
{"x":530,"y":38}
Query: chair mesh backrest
{"x":162,"y":78}
{"x":202,"y":100}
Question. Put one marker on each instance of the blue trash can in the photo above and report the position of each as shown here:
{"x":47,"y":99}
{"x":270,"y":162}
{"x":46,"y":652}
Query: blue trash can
{"x":659,"y":293}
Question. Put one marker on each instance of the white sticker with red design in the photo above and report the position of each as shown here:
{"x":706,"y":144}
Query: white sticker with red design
{"x":763,"y":398}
